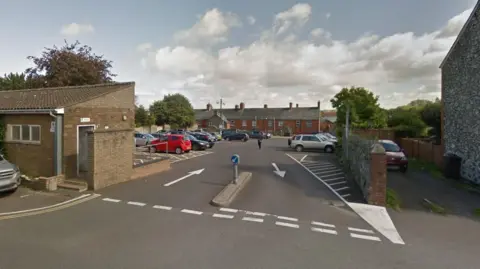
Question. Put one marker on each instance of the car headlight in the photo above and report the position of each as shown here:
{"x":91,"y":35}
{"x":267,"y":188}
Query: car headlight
{"x":404,"y":158}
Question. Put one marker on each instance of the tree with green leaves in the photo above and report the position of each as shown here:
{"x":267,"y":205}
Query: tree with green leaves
{"x":406,"y":122}
{"x":13,"y":81}
{"x":175,"y":110}
{"x":143,"y":117}
{"x":431,"y":115}
{"x":159,"y":112}
{"x":69,"y":65}
{"x":365,"y":111}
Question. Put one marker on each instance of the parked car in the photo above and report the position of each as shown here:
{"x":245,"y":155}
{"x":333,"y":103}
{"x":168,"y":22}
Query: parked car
{"x":256,"y":134}
{"x":172,"y":143}
{"x":218,"y":136}
{"x":144,"y":139}
{"x":205,"y":137}
{"x":308,"y":141}
{"x":268,"y":135}
{"x":396,"y":157}
{"x":198,"y":144}
{"x":329,"y":135}
{"x":237,"y":136}
{"x":334,"y":139}
{"x":10,"y":177}
{"x":226,"y":133}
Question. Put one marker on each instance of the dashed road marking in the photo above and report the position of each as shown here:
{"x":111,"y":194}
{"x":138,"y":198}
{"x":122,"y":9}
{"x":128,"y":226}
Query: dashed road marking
{"x":338,"y":183}
{"x":329,"y":175}
{"x":346,"y":195}
{"x":287,"y":218}
{"x":321,"y":230}
{"x":136,"y":203}
{"x":223,"y":216}
{"x":252,"y":219}
{"x":322,"y":224}
{"x":333,"y":179}
{"x":366,"y":237}
{"x":360,"y":230}
{"x":260,"y":214}
{"x":162,"y":207}
{"x":286,"y":224}
{"x":193,"y":212}
{"x":342,"y":188}
{"x":111,"y":200}
{"x":224,"y":209}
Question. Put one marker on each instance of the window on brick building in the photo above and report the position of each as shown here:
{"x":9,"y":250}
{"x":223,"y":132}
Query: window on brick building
{"x":244,"y":123}
{"x":24,"y":133}
{"x":270,"y":123}
{"x":232,"y":122}
{"x":309,"y":124}
{"x":280,"y":123}
{"x":254,"y":123}
{"x":210,"y":123}
{"x":297,"y":123}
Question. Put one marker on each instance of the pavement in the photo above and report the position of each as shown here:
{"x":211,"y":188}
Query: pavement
{"x":165,"y":221}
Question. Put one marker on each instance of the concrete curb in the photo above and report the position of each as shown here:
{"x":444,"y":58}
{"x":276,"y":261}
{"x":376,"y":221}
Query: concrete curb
{"x":228,"y":194}
{"x":46,"y":209}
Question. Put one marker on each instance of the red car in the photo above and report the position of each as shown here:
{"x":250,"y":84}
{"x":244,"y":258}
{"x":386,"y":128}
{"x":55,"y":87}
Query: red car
{"x":177,"y":143}
{"x":396,"y":158}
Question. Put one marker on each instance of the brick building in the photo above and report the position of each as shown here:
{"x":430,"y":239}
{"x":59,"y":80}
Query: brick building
{"x":278,"y":120}
{"x":46,"y":129}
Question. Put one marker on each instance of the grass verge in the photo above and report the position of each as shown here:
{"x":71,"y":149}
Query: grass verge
{"x":476,"y":212}
{"x":433,"y":207}
{"x":393,"y":200}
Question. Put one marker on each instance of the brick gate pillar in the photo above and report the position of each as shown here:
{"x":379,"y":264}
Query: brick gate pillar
{"x":377,"y":191}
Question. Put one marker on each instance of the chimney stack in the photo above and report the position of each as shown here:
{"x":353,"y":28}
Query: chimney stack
{"x":318,"y":104}
{"x":236,"y":107}
{"x":209,"y":107}
{"x":297,"y":105}
{"x":290,"y":105}
{"x":242,"y":105}
{"x":265,"y":106}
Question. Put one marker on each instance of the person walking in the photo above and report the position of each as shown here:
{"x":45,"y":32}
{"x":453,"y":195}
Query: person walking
{"x":259,"y":141}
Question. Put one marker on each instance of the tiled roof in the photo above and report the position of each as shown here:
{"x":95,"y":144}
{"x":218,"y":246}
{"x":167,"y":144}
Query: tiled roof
{"x":59,"y":97}
{"x":296,"y":113}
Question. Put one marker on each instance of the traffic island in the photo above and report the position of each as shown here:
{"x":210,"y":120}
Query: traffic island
{"x":231,"y":191}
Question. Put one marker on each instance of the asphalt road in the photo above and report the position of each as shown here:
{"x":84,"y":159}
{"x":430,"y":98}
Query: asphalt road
{"x":144,"y":224}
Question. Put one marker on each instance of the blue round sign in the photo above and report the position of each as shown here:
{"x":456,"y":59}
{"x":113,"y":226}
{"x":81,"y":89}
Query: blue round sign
{"x":235,"y":159}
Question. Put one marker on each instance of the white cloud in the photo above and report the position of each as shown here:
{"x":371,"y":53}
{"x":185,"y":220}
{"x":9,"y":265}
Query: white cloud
{"x":212,"y":28}
{"x":328,"y":15}
{"x":399,"y":68}
{"x":74,"y":29}
{"x":144,"y":47}
{"x":251,"y":20}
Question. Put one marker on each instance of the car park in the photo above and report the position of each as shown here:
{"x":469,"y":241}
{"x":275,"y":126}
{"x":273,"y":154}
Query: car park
{"x":144,"y":139}
{"x":237,"y":136}
{"x":10,"y":177}
{"x":204,"y":137}
{"x":396,"y":157}
{"x":218,"y":136}
{"x":312,"y":142}
{"x":177,"y":143}
{"x":198,"y":144}
{"x":256,"y":134}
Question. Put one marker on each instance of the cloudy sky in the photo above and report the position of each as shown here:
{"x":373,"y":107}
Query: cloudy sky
{"x":263,"y":51}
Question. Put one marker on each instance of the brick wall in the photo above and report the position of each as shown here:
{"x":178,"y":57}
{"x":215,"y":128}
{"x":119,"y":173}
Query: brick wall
{"x":110,"y":157}
{"x":104,"y":112}
{"x":33,"y":159}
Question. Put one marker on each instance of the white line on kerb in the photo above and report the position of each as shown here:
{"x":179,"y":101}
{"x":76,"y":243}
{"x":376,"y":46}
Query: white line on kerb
{"x":260,"y":214}
{"x":162,"y":207}
{"x":193,"y":212}
{"x":360,"y":230}
{"x":285,"y":224}
{"x":136,"y":203}
{"x":320,"y":230}
{"x":252,"y":219}
{"x":322,"y":224}
{"x":111,"y":200}
{"x":287,"y":218}
{"x":232,"y":210}
{"x":366,"y":237}
{"x":222,"y":216}
{"x":303,"y":158}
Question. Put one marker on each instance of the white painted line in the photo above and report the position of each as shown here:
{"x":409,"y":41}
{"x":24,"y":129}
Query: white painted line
{"x":111,"y":200}
{"x":303,"y":158}
{"x":48,"y":207}
{"x":338,"y":183}
{"x":342,"y":188}
{"x":360,"y":230}
{"x":326,"y":170}
{"x":260,"y":214}
{"x":313,"y":166}
{"x":346,"y":195}
{"x":285,"y":224}
{"x":162,"y":207}
{"x":224,"y":209}
{"x":322,"y":224}
{"x":222,"y":216}
{"x":287,"y":218}
{"x":193,"y":212}
{"x":366,"y":237}
{"x":320,"y":230}
{"x":252,"y":219}
{"x":329,"y":175}
{"x":333,"y":179}
{"x":136,"y":203}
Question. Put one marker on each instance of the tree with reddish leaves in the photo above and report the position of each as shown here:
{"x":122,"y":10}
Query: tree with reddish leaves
{"x":70,"y":65}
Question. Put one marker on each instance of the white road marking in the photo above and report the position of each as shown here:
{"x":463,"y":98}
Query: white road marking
{"x":329,"y":175}
{"x":366,"y":237}
{"x":193,"y":212}
{"x":260,"y":214}
{"x":285,"y":224}
{"x":252,"y":219}
{"x":326,"y":170}
{"x":287,"y":218}
{"x":333,"y":179}
{"x":342,"y":188}
{"x":338,"y":183}
{"x":322,"y":224}
{"x":346,"y":195}
{"x":320,"y":230}
{"x":303,"y":158}
{"x":111,"y":200}
{"x":224,"y":209}
{"x":222,"y":216}
{"x":136,"y":203}
{"x":319,"y":166}
{"x":162,"y":207}
{"x":360,"y":230}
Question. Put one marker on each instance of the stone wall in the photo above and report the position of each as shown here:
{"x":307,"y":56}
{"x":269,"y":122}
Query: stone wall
{"x":110,"y":157}
{"x":461,"y":102}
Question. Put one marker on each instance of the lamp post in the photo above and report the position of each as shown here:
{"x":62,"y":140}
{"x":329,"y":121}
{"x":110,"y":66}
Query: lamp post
{"x":221,"y":103}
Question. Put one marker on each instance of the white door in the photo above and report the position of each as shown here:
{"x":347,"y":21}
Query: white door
{"x":83,"y":147}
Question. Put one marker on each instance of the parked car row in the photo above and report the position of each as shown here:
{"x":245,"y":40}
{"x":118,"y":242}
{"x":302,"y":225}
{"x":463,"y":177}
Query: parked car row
{"x":300,"y":142}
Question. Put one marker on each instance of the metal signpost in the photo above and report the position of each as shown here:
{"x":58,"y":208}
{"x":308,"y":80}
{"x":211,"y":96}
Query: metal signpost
{"x":235,"y":160}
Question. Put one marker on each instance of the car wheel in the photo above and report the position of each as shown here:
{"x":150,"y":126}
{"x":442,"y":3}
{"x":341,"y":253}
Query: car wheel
{"x":328,"y":149}
{"x":178,"y":151}
{"x":299,"y":148}
{"x":403,"y":169}
{"x":195,"y":147}
{"x":228,"y":138}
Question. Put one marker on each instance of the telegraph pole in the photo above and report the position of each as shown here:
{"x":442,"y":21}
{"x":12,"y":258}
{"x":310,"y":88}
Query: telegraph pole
{"x":221,"y":103}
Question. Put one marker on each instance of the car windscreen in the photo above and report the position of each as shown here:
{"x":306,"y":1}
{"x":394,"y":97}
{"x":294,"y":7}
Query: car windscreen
{"x":186,"y":138}
{"x":193,"y":138}
{"x":390,"y":147}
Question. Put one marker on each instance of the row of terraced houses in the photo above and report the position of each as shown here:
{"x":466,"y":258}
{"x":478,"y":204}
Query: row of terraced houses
{"x":278,"y":120}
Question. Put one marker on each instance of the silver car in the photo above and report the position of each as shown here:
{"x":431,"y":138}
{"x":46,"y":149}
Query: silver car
{"x":143,"y":139}
{"x":9,"y":176}
{"x":312,"y":142}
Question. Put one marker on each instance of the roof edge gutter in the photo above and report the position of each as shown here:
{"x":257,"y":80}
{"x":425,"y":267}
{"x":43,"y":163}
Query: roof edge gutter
{"x":57,"y":111}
